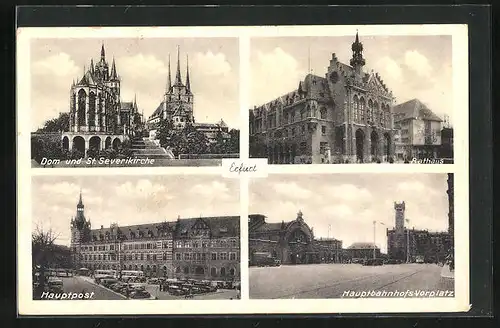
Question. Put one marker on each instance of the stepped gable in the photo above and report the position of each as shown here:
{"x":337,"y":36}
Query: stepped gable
{"x":222,"y":226}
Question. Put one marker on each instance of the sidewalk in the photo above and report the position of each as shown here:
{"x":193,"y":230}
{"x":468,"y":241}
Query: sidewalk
{"x":447,"y":273}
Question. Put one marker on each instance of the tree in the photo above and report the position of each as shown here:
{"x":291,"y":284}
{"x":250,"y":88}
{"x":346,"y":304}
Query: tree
{"x":165,"y":132}
{"x":221,"y":145}
{"x":42,"y":249}
{"x":234,"y":141}
{"x":58,"y":124}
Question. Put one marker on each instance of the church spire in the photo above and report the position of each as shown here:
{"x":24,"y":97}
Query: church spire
{"x":114,"y":76}
{"x":103,"y":53}
{"x":169,"y":83}
{"x":91,"y":65}
{"x":80,"y":202}
{"x":188,"y":84}
{"x":178,"y":80}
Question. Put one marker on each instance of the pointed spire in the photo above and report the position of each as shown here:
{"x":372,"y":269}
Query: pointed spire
{"x":113,"y":70}
{"x":103,"y":53}
{"x":169,"y":84}
{"x":91,"y":65}
{"x":357,"y":37}
{"x":188,"y":84}
{"x":178,"y":80}
{"x":80,"y":202}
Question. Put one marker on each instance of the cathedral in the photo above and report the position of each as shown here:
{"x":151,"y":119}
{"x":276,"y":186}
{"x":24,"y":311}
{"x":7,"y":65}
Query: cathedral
{"x":343,"y":117}
{"x":177,"y":106}
{"x":98,"y":119}
{"x":195,"y":248}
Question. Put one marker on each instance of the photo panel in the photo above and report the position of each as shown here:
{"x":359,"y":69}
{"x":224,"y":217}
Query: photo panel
{"x":108,"y":101}
{"x":103,"y":238}
{"x":352,"y":97}
{"x":342,"y":236}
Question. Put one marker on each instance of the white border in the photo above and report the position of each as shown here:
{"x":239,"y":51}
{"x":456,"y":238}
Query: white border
{"x":245,"y":306}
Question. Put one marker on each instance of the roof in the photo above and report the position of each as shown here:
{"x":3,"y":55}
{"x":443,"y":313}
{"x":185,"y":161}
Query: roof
{"x":415,"y":109}
{"x":275,"y":226}
{"x":158,"y":110}
{"x":127,"y":105}
{"x":220,"y":226}
{"x":362,"y":245}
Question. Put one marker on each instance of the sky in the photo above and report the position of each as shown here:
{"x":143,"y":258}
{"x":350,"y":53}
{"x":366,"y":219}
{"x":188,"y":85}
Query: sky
{"x":411,"y":66}
{"x":349,"y":203}
{"x":129,"y":200}
{"x":143,"y":67}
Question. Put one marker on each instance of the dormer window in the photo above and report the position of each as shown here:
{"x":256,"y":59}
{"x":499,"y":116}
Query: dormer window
{"x":223,"y":229}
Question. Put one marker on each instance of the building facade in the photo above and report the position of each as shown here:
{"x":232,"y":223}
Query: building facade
{"x":98,"y":119}
{"x":291,"y":242}
{"x":419,"y":129}
{"x":363,"y":251}
{"x":199,"y":248}
{"x":345,"y":116}
{"x":178,"y":107}
{"x":406,"y":244}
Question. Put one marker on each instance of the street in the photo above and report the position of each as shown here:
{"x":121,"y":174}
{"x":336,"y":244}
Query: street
{"x":221,"y":294}
{"x":333,"y":280}
{"x":77,"y":284}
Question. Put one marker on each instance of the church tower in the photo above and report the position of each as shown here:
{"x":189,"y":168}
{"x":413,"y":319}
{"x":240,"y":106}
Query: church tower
{"x":400,"y":216}
{"x":178,"y":97}
{"x":79,"y":230}
{"x":357,"y":61}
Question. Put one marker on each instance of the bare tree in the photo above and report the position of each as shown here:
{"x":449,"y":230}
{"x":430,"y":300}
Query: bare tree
{"x":42,"y":251}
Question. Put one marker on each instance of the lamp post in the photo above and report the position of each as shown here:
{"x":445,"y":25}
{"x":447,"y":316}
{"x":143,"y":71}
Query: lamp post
{"x":374,"y":238}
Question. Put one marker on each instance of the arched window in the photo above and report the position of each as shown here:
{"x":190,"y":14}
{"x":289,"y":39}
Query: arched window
{"x":186,"y":270}
{"x":370,"y":110}
{"x":356,"y":108}
{"x":323,"y":113}
{"x":92,"y":109}
{"x":362,"y":105}
{"x":82,"y":99}
{"x":178,"y":270}
{"x":222,"y":272}
{"x":232,"y":272}
{"x":213,"y":272}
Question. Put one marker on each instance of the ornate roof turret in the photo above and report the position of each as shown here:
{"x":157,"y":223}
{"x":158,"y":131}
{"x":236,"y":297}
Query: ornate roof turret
{"x":91,"y":66}
{"x":357,"y":60}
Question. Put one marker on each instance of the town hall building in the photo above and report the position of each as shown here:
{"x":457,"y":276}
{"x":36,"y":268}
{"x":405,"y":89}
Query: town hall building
{"x":343,"y":117}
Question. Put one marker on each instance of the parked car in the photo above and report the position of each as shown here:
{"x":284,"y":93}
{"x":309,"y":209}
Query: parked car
{"x":140,"y":294}
{"x":373,"y":262}
{"x":55,"y":285}
{"x":107,"y":282}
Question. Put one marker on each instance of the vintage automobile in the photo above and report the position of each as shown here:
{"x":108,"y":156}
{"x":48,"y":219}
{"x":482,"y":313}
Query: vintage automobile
{"x":140,"y":294}
{"x":55,"y":285}
{"x":373,"y":262}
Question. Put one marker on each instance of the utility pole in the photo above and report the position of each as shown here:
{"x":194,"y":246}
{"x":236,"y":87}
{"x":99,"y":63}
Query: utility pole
{"x":408,"y":243}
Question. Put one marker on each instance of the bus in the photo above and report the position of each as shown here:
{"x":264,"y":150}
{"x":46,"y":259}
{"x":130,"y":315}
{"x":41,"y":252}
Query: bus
{"x":126,"y":275}
{"x":101,"y":274}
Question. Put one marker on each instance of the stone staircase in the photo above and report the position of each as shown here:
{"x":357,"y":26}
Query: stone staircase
{"x":145,"y":148}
